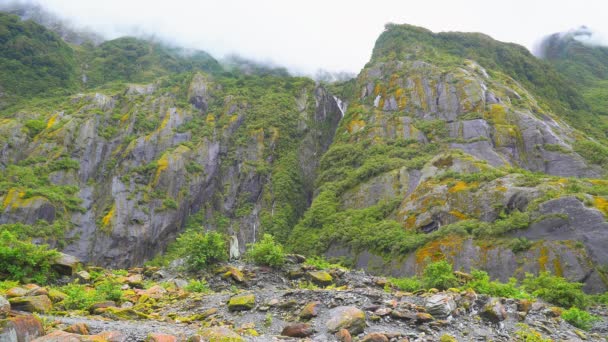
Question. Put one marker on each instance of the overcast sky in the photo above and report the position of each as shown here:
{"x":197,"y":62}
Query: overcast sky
{"x":336,"y":35}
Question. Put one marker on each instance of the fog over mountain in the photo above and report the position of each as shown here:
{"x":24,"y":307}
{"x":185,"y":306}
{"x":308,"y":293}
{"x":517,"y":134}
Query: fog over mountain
{"x":309,"y":36}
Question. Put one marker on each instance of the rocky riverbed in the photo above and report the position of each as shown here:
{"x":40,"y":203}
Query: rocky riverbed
{"x":250,"y":303}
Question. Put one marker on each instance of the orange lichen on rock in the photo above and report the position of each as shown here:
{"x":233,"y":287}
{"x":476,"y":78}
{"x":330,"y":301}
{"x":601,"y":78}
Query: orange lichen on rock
{"x":444,"y":248}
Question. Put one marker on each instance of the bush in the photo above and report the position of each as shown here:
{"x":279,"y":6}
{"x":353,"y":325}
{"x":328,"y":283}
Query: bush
{"x":267,"y":252}
{"x":80,"y":297}
{"x":439,"y":275}
{"x":481,"y":284}
{"x":198,"y":286}
{"x":579,"y":318}
{"x":520,"y":245}
{"x":407,"y":284}
{"x":24,"y":261}
{"x":556,"y":290}
{"x":200,"y":249}
{"x":320,"y":263}
{"x":109,"y":289}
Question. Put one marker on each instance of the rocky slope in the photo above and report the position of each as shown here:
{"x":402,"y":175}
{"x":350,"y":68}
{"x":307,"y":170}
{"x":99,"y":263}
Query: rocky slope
{"x":298,"y":302}
{"x":452,"y":146}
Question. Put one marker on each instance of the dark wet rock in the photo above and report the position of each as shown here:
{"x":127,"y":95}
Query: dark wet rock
{"x":298,"y":330}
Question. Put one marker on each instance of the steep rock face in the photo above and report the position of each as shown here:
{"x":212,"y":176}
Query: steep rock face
{"x":439,"y":157}
{"x":137,"y":163}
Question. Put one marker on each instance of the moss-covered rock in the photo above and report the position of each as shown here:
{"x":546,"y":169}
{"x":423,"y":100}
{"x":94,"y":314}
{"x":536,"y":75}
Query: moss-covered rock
{"x":241,"y":302}
{"x":219,"y":334}
{"x":40,"y":304}
{"x":346,"y":317}
{"x":321,"y":277}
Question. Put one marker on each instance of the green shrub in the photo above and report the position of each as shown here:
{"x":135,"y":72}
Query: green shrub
{"x":439,"y":275}
{"x":200,"y":249}
{"x":520,"y":245}
{"x":109,"y":289}
{"x":481,"y":284}
{"x":320,"y":263}
{"x":80,"y":297}
{"x":527,"y":334}
{"x":407,"y":284}
{"x":579,"y":318}
{"x":556,"y":290}
{"x":267,"y":252}
{"x":24,"y":261}
{"x":198,"y":286}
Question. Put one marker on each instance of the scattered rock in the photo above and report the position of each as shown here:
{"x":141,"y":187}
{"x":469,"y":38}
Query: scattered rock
{"x":494,"y":311}
{"x":440,"y":305}
{"x":16,"y":292}
{"x":99,"y":307}
{"x":161,"y":338}
{"x":375,"y":337}
{"x":5,"y":306}
{"x":78,"y":328}
{"x":40,"y":304}
{"x":135,"y":280}
{"x":423,"y":317}
{"x":65,"y":264}
{"x":344,"y":336}
{"x":21,"y":328}
{"x":310,"y":310}
{"x":112,"y":336}
{"x":83,"y":276}
{"x":241,"y":302}
{"x":321,"y":278}
{"x":346,"y":317}
{"x":298,"y":330}
{"x":235,"y":274}
{"x":62,"y":336}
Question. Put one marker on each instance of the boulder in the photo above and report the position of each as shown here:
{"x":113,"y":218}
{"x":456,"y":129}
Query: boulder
{"x":220,"y":334}
{"x":21,"y":328}
{"x":65,"y":264}
{"x":320,"y":278}
{"x":346,"y":317}
{"x":62,"y":336}
{"x":78,"y":328}
{"x":343,"y":336}
{"x":310,"y":310}
{"x":375,"y":337}
{"x":440,"y":305}
{"x":161,"y":338}
{"x":5,"y":306}
{"x":83,"y":276}
{"x":112,"y":336}
{"x":494,"y":311}
{"x":40,"y":304}
{"x":241,"y":302}
{"x":235,"y":274}
{"x":300,"y":330}
{"x":16,"y":292}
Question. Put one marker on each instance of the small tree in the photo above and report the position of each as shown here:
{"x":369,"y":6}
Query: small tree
{"x":439,"y":275}
{"x":267,"y":252}
{"x":200,"y":249}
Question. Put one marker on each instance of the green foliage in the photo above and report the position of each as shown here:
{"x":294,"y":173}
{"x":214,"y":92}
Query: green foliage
{"x":200,"y":249}
{"x":267,"y":252}
{"x":79,"y":296}
{"x":198,"y":286}
{"x":109,"y":289}
{"x":527,"y":334}
{"x":520,"y":245}
{"x":35,"y":126}
{"x":24,"y":261}
{"x":556,"y":290}
{"x":481,"y":284}
{"x":33,"y":60}
{"x":592,"y":151}
{"x":407,"y":284}
{"x":579,"y":318}
{"x":320,"y":263}
{"x":170,"y":203}
{"x":439,"y":275}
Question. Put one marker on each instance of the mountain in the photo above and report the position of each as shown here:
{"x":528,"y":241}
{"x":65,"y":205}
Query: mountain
{"x":446,"y":145}
{"x":580,"y":59}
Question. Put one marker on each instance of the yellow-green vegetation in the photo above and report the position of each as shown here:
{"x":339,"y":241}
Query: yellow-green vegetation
{"x":266,"y":252}
{"x":579,"y":318}
{"x":23,"y":261}
{"x":527,"y":334}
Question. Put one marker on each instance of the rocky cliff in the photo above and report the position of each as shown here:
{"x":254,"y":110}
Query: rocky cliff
{"x":452,"y":146}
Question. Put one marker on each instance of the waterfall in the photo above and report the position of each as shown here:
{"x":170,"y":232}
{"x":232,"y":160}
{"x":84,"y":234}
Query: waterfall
{"x":341,"y":105}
